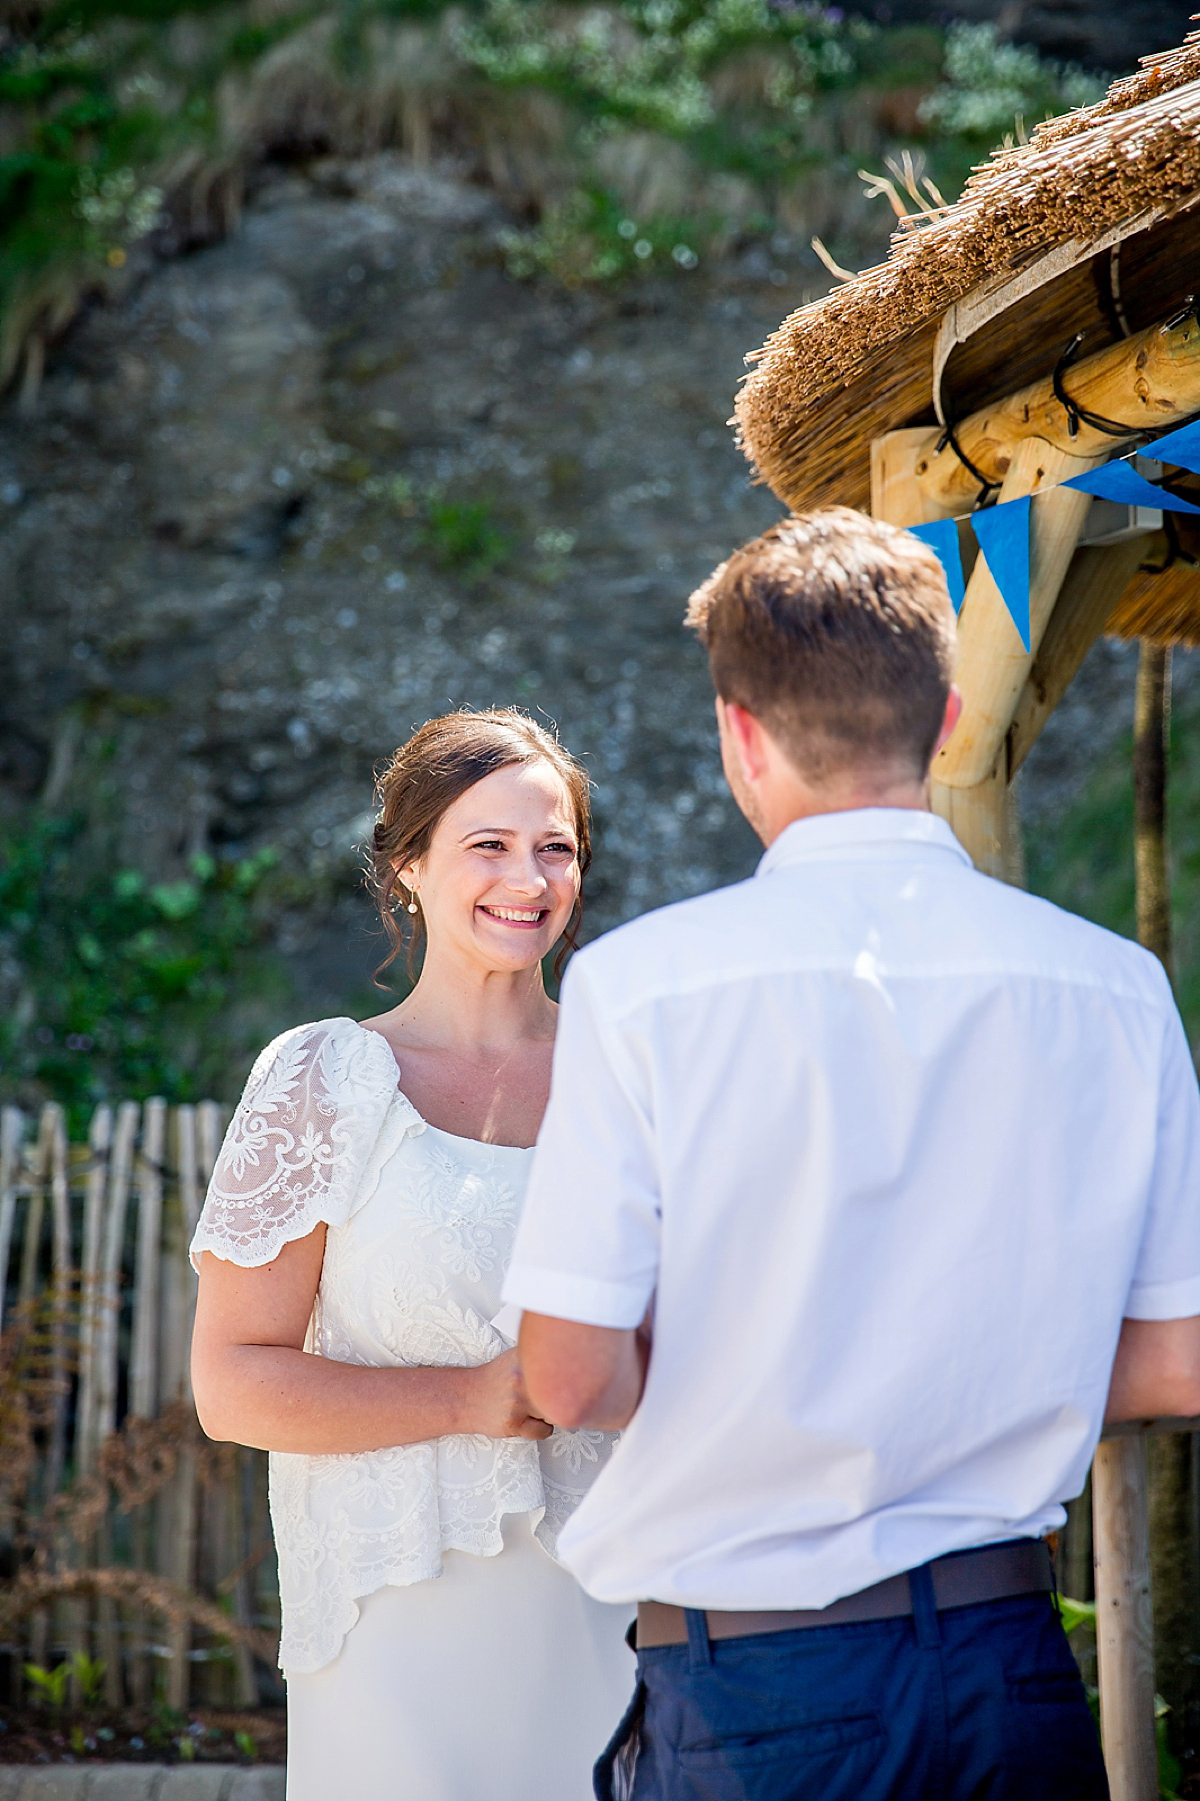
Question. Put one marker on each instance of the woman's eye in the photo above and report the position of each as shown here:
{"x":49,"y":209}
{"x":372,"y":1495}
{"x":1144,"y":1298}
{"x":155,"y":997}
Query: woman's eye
{"x":562,"y":850}
{"x":489,"y":844}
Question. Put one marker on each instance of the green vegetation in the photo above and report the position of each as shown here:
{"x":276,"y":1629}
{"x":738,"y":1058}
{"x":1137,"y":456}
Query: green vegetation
{"x":120,"y":118}
{"x":464,"y":537}
{"x":1086,"y":862}
{"x":115,"y":987}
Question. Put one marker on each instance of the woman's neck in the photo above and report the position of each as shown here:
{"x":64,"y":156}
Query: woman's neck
{"x":474,"y":1012}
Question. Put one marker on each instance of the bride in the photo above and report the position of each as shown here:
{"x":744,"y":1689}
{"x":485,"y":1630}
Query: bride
{"x":351,"y":1252}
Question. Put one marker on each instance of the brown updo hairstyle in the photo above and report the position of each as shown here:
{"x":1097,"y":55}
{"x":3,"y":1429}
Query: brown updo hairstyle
{"x":427,"y":775}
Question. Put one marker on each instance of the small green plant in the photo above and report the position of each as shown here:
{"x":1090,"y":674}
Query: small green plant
{"x":50,"y":1686}
{"x":89,"y":1677}
{"x":464,"y":536}
{"x":589,"y":238}
{"x":246,"y":1744}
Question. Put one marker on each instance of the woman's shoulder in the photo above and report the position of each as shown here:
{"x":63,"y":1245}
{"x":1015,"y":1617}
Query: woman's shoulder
{"x":338,"y":1058}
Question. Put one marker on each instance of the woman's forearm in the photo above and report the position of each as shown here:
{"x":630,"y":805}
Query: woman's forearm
{"x":278,"y":1399}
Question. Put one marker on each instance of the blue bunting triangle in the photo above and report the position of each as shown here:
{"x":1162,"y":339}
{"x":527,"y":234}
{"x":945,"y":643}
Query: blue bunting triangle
{"x":941,"y":535}
{"x":1181,"y":447}
{"x":1122,"y":483}
{"x":1003,"y":534}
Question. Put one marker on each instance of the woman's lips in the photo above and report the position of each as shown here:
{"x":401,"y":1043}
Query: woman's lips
{"x":526,"y":919}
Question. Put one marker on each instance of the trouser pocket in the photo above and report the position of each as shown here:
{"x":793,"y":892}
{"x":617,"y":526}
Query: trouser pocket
{"x":615,"y":1768}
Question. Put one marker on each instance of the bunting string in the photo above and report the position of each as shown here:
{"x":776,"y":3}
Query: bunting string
{"x":1002,"y":531}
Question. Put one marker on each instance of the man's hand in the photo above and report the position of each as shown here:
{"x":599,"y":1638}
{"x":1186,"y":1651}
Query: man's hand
{"x":1156,"y":1374}
{"x":583,"y":1375}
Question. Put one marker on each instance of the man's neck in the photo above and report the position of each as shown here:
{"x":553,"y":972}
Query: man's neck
{"x":785,"y":803}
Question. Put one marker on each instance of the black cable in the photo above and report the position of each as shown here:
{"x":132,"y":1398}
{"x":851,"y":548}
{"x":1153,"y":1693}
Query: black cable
{"x":1080,"y":415}
{"x":986,"y":487}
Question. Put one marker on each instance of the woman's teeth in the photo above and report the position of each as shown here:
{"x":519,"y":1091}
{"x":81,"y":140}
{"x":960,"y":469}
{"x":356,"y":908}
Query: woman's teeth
{"x":521,"y":915}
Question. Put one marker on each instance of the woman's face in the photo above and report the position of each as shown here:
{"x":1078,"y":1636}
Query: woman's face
{"x":501,"y":875}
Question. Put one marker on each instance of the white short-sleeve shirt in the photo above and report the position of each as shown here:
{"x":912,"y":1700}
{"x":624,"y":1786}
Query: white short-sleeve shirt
{"x":893,"y":1147}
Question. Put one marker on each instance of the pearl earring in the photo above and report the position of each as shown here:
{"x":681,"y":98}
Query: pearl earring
{"x":412,"y":903}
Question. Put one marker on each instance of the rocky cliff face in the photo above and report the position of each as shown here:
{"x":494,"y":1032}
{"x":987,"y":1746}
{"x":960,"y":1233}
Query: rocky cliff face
{"x":297,"y":492}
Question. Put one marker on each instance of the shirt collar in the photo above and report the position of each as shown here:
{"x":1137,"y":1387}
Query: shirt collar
{"x":862,"y":832}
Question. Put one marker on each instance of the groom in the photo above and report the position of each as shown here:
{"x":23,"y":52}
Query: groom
{"x":904,"y":1167}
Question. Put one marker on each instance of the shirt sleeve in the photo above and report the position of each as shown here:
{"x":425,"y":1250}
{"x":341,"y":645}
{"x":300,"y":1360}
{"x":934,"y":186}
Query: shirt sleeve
{"x":303,"y":1147}
{"x":1166,"y":1280}
{"x":588,"y":1240}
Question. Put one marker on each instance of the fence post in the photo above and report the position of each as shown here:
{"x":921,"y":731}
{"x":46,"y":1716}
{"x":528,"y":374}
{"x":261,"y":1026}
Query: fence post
{"x":1124,"y":1616}
{"x":108,"y":1315}
{"x":12,"y":1133}
{"x":177,"y":1514}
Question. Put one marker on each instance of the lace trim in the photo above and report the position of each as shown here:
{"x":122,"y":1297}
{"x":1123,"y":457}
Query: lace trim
{"x":321,"y":1114}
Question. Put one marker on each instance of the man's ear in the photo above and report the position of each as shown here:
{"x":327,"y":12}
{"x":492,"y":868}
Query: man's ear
{"x":742,"y":738}
{"x":951,"y":717}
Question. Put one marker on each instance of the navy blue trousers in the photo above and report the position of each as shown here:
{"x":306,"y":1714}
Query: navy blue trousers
{"x":980,"y":1703}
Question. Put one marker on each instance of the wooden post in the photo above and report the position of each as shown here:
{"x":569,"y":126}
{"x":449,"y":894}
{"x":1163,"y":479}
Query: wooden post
{"x":981,"y":817}
{"x":993,"y":664}
{"x":177,"y":1510}
{"x":87,"y":1434}
{"x":1124,"y":1620}
{"x":143,"y":1355}
{"x":108,"y":1313}
{"x":12,"y":1133}
{"x":1169,"y":1457}
{"x":1152,"y":711}
{"x":1097,"y":578}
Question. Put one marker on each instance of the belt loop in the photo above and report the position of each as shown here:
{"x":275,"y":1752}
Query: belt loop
{"x":699,"y":1643}
{"x":924,"y":1606}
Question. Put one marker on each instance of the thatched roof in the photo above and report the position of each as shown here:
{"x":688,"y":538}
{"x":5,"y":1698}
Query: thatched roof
{"x":979,"y":299}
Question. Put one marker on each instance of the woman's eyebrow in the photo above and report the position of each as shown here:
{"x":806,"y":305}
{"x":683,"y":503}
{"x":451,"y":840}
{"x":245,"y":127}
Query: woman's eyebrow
{"x":512,"y":831}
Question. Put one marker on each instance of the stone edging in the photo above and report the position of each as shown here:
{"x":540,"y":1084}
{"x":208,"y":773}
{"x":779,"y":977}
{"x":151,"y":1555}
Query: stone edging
{"x":141,"y":1782}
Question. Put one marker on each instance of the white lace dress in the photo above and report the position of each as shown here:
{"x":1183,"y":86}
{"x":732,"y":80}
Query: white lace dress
{"x":501,"y":1679}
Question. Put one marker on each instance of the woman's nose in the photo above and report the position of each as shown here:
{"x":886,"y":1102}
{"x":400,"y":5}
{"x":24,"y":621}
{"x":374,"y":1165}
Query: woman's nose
{"x":527,"y":878}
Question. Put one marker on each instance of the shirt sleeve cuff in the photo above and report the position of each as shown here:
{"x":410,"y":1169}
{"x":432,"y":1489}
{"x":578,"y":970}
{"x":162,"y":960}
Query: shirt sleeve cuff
{"x":1164,"y":1300}
{"x":578,"y":1298}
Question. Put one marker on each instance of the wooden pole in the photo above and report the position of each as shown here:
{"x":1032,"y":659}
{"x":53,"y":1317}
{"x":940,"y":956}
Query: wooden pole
{"x":1124,"y":1619}
{"x":143,"y":1354}
{"x":87,"y":1435}
{"x":1149,"y":382}
{"x":1169,"y":1456}
{"x":1098,"y":577}
{"x":982,"y":817}
{"x":12,"y":1133}
{"x":1151,"y":723}
{"x":178,"y":1509}
{"x":993,"y":663}
{"x":108,"y":1314}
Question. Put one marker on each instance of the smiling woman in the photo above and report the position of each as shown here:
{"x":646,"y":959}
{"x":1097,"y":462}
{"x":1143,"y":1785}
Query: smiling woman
{"x":363,"y":1209}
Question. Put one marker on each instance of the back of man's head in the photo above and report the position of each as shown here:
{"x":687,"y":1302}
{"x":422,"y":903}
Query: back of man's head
{"x":836,"y":631}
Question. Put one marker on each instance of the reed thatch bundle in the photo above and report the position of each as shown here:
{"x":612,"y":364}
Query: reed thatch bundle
{"x":1091,"y":226}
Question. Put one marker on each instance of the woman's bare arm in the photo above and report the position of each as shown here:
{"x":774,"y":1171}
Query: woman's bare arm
{"x":255,"y":1385}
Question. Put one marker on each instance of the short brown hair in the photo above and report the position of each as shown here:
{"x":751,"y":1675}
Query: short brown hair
{"x":837,"y":632}
{"x":427,"y":775}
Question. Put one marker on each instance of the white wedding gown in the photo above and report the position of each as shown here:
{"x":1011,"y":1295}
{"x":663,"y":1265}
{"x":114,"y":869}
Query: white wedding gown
{"x":433,"y":1648}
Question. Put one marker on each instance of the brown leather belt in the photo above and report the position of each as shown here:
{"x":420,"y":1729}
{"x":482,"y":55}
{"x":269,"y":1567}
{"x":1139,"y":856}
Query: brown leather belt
{"x":1021,"y":1566}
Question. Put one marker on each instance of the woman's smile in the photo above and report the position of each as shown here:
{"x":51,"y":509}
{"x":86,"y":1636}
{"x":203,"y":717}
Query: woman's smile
{"x":516,"y":916}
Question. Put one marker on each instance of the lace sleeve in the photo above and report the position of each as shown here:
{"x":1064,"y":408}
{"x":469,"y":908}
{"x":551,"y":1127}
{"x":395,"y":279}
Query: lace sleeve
{"x":306,"y":1142}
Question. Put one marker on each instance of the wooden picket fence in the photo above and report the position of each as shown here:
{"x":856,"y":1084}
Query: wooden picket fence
{"x":125,"y":1536}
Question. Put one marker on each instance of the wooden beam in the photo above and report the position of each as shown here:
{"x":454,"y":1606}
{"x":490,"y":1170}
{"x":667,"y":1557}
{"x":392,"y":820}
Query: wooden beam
{"x":993,"y":664}
{"x":983,"y":817}
{"x":1098,"y":577}
{"x":1124,"y":1620}
{"x":1146,"y":383}
{"x":896,"y":494}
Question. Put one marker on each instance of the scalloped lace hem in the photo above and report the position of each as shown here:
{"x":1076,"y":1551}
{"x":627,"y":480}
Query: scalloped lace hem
{"x":303,"y":1654}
